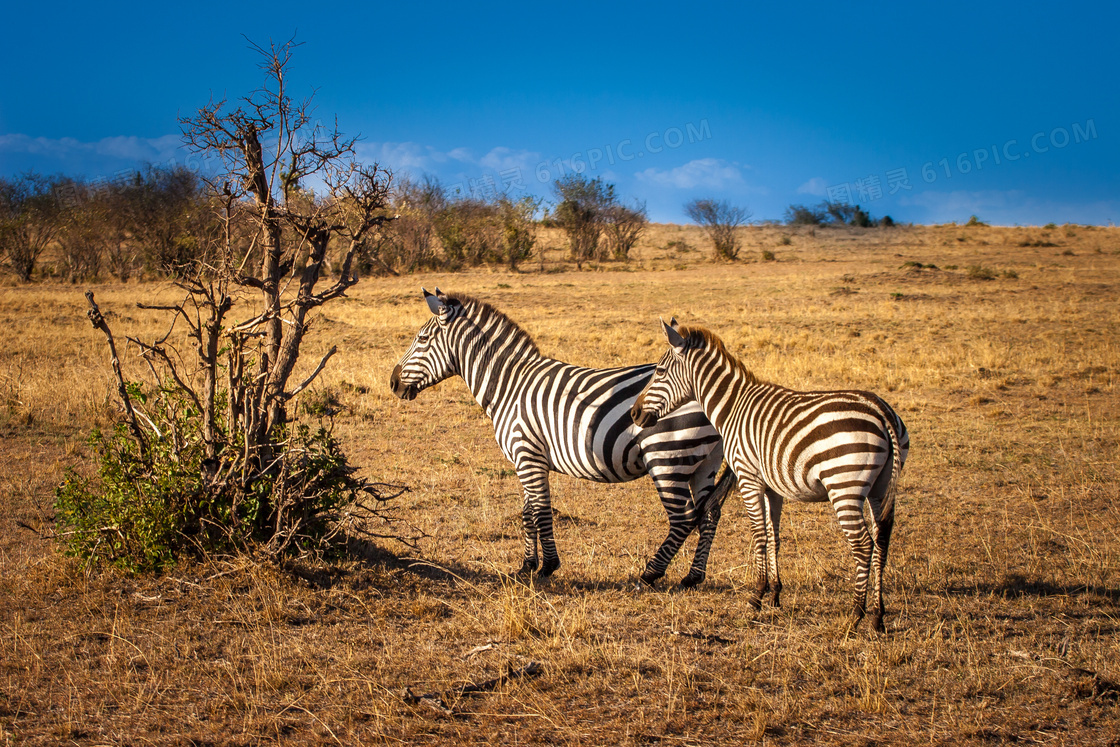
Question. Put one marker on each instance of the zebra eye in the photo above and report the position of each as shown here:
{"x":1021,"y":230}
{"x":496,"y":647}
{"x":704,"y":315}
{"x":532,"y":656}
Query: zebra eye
{"x":422,"y":338}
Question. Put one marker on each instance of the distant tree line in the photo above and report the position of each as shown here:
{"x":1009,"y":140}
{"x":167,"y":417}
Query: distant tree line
{"x":154,"y":222}
{"x":834,"y":214}
{"x":159,"y":221}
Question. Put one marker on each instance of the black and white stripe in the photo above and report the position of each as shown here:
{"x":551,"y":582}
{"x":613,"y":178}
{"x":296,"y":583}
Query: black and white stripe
{"x":846,"y":447}
{"x":553,"y":416}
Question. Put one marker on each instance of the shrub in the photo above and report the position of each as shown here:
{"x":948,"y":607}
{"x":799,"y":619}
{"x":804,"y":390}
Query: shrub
{"x":719,"y":219}
{"x":976,"y":222}
{"x":149,"y":508}
{"x":803,"y":215}
{"x":519,"y":228}
{"x":767,"y":255}
{"x":623,"y":227}
{"x":29,"y":207}
{"x":979,"y":272}
{"x":582,"y":213}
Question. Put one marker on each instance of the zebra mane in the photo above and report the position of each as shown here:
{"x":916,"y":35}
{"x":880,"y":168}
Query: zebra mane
{"x":697,"y":338}
{"x":481,"y":312}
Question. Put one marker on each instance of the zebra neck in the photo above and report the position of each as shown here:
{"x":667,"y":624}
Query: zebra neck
{"x":494,"y":368}
{"x":721,"y":389}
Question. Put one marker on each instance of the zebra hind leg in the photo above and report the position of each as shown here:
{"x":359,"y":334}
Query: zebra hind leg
{"x":709,"y":497}
{"x":677,"y":502}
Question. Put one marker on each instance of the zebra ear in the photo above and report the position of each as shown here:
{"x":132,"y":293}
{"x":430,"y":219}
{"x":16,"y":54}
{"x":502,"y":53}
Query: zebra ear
{"x":674,"y":325}
{"x":673,"y":336}
{"x":436,"y":305}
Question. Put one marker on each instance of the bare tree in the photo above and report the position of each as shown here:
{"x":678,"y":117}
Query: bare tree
{"x":81,"y":229}
{"x":623,"y":226}
{"x":719,"y":219}
{"x":165,"y":210}
{"x":29,"y":206}
{"x":268,"y":144}
{"x":221,"y":400}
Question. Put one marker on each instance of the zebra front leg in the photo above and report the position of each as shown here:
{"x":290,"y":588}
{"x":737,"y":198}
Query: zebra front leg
{"x":536,"y":517}
{"x":529,"y":533}
{"x":755,"y":500}
{"x":550,"y":558}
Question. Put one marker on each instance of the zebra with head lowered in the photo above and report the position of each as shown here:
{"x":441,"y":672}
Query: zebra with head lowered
{"x":842,"y":446}
{"x":553,"y":416}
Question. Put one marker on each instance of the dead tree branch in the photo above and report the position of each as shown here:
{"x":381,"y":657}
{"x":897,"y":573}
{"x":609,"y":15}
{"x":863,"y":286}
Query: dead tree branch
{"x":98,"y":322}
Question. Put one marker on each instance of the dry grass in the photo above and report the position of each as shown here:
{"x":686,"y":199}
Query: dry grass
{"x":1003,"y":585}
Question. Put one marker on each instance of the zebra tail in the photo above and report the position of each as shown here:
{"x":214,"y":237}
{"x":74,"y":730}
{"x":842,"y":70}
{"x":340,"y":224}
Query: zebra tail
{"x":886,"y":513}
{"x":722,"y":489}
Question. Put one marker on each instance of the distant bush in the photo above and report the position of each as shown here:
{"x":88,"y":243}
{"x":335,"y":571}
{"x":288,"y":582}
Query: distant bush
{"x":803,"y":215}
{"x":29,"y":208}
{"x":833,"y":214}
{"x":979,"y":272}
{"x":719,"y":219}
{"x":623,"y":226}
{"x":976,"y":222}
{"x":582,"y":213}
{"x":519,"y":228}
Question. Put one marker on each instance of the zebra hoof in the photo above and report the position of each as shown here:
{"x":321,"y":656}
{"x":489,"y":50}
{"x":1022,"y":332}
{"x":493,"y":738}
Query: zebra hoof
{"x":527,"y":568}
{"x":692,"y":580}
{"x":548,"y":568}
{"x":649,"y":579}
{"x":853,"y":623}
{"x":877,"y":623}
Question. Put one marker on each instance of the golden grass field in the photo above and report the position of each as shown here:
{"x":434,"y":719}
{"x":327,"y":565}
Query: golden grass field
{"x":1003,"y":587}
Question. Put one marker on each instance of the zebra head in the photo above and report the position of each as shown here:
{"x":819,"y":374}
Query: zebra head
{"x":670,"y":386}
{"x":430,"y":359}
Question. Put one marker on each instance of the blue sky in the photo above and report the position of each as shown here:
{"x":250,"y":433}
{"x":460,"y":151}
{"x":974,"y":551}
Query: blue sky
{"x":929,"y":112}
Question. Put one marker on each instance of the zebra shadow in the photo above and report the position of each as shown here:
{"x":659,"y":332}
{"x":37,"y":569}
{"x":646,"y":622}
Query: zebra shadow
{"x":1019,"y":586}
{"x":358,"y":554}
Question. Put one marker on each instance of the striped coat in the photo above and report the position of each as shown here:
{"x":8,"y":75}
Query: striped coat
{"x":551,"y":416}
{"x":846,"y":447}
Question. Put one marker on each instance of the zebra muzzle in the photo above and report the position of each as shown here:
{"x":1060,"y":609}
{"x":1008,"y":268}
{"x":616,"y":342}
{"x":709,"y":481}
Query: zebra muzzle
{"x":642,"y":418}
{"x":402,"y":390}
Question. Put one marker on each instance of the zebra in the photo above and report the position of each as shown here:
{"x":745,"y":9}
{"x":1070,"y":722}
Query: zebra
{"x":841,"y":446}
{"x":553,"y":416}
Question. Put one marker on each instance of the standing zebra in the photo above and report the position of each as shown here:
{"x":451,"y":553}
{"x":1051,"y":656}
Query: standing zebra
{"x":843,"y":446}
{"x":553,"y":416}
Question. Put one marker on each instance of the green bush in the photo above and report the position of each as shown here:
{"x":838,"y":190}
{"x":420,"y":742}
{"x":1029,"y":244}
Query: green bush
{"x":150,"y":507}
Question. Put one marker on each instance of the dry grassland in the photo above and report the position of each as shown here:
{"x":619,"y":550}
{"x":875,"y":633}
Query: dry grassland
{"x":1003,"y":585}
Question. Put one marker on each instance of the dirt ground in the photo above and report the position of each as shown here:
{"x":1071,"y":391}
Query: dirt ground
{"x":999,"y":347}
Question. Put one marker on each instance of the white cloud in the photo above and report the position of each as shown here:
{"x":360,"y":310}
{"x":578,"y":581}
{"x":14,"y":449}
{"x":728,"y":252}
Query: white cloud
{"x":709,"y":173}
{"x":503,"y":159}
{"x":123,"y":147}
{"x":815,"y":186}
